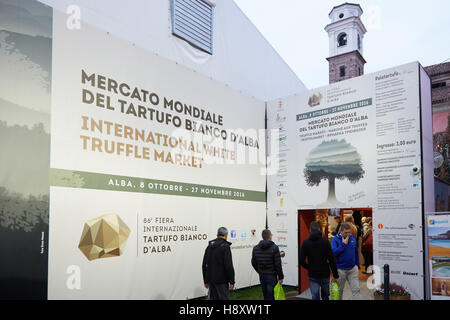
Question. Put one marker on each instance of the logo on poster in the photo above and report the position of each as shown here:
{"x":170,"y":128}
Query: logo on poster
{"x":104,"y":237}
{"x":315,"y":99}
{"x":233,"y":234}
{"x":433,"y":222}
{"x":380,"y":226}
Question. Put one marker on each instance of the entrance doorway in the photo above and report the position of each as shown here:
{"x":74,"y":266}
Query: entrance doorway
{"x":329,"y":221}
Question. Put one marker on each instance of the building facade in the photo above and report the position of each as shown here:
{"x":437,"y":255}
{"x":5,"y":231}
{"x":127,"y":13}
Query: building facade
{"x":440,"y":98}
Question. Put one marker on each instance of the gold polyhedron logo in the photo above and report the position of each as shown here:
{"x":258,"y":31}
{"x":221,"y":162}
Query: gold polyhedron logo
{"x":104,"y":237}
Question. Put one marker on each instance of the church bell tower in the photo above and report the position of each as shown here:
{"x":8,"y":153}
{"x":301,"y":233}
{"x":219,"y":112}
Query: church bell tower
{"x":346,"y":33}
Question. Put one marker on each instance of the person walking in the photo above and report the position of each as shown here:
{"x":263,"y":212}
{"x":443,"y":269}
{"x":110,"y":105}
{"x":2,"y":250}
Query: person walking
{"x":266,"y":261}
{"x":338,"y":227}
{"x":217,"y":267}
{"x":354,"y":229}
{"x":317,"y":257}
{"x":345,"y":249}
{"x":367,"y":248}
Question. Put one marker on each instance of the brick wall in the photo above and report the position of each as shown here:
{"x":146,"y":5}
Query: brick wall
{"x":353,"y":62}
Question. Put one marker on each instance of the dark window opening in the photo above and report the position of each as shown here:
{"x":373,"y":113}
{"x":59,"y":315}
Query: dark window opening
{"x":438,"y":85}
{"x":359,"y":71}
{"x":342,"y":39}
{"x":342,"y":71}
{"x":359,"y":42}
{"x":341,"y":16}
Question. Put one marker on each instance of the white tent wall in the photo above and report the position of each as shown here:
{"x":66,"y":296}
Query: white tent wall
{"x":242,"y":58}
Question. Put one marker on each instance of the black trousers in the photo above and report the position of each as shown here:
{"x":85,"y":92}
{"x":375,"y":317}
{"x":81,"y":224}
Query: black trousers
{"x":368,"y":257}
{"x":218,"y":291}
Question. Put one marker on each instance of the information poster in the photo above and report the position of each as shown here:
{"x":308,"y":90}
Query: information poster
{"x":439,"y":255}
{"x":355,"y":144}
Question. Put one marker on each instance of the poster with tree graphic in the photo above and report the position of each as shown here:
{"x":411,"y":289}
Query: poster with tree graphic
{"x":331,"y":160}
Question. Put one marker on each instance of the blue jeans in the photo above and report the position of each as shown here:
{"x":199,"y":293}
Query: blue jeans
{"x":268,"y":283}
{"x":320,"y":287}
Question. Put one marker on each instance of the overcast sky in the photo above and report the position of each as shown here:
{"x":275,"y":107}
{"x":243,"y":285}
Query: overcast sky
{"x":398,"y":32}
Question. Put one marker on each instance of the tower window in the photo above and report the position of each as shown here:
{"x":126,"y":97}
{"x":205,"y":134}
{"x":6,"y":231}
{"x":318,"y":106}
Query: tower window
{"x":341,"y":16}
{"x":342,"y":39}
{"x":359,"y":42}
{"x":342,"y":71}
{"x":438,"y":85}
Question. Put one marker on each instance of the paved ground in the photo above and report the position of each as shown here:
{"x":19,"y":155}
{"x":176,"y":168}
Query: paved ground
{"x":365,"y":293}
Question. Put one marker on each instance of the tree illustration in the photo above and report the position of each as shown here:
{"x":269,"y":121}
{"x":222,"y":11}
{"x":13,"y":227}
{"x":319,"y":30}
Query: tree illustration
{"x":331,"y":160}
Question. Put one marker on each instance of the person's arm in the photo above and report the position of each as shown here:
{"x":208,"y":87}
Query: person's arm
{"x":229,"y":270}
{"x":205,"y":267}
{"x":332,"y":261}
{"x":303,"y":262}
{"x":254,"y":262}
{"x":357,"y":254}
{"x":337,"y":247}
{"x":277,"y":263}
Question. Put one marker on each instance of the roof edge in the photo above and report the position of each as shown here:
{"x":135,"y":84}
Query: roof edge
{"x":346,"y":3}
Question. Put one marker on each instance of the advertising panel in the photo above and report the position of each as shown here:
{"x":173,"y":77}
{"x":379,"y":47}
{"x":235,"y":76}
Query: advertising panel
{"x":355,"y":144}
{"x":439,"y":255}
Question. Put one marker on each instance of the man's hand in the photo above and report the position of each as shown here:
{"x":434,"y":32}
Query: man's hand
{"x":231,"y":287}
{"x":345,"y":240}
{"x":280,"y":281}
{"x":206,"y":286}
{"x":333,"y":280}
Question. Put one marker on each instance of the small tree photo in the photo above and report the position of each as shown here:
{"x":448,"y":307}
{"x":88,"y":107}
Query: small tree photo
{"x":331,"y":160}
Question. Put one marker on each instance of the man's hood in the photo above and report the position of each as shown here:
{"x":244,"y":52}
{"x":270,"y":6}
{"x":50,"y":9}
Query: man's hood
{"x":265,"y":244}
{"x":316,"y":235}
{"x":218,"y":242}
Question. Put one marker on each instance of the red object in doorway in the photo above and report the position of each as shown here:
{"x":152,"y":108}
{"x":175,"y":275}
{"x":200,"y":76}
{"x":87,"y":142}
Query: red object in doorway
{"x":304,"y":220}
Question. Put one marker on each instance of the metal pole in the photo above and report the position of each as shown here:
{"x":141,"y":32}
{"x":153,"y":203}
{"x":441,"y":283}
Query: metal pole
{"x":386,"y":282}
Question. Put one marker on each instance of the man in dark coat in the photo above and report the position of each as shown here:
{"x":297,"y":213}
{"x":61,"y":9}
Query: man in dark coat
{"x":217,"y":266}
{"x":266,"y":260}
{"x":317,"y":251}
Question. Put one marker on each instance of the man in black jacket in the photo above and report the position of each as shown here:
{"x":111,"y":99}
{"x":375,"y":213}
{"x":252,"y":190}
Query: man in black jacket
{"x":266,"y":261}
{"x":218,"y":271}
{"x":320,"y":260}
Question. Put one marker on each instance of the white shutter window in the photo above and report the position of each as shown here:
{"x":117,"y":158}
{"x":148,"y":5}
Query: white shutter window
{"x":192,"y":20}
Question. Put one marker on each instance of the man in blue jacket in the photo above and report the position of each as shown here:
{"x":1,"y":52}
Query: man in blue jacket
{"x":345,"y":249}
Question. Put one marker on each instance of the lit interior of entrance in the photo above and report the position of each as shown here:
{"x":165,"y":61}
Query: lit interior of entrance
{"x":328,"y":220}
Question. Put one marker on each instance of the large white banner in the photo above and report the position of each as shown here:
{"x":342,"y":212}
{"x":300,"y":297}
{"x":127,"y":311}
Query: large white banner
{"x":148,"y":159}
{"x":354,"y":144}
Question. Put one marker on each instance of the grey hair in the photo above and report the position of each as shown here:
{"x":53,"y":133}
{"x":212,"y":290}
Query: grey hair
{"x":222,"y":231}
